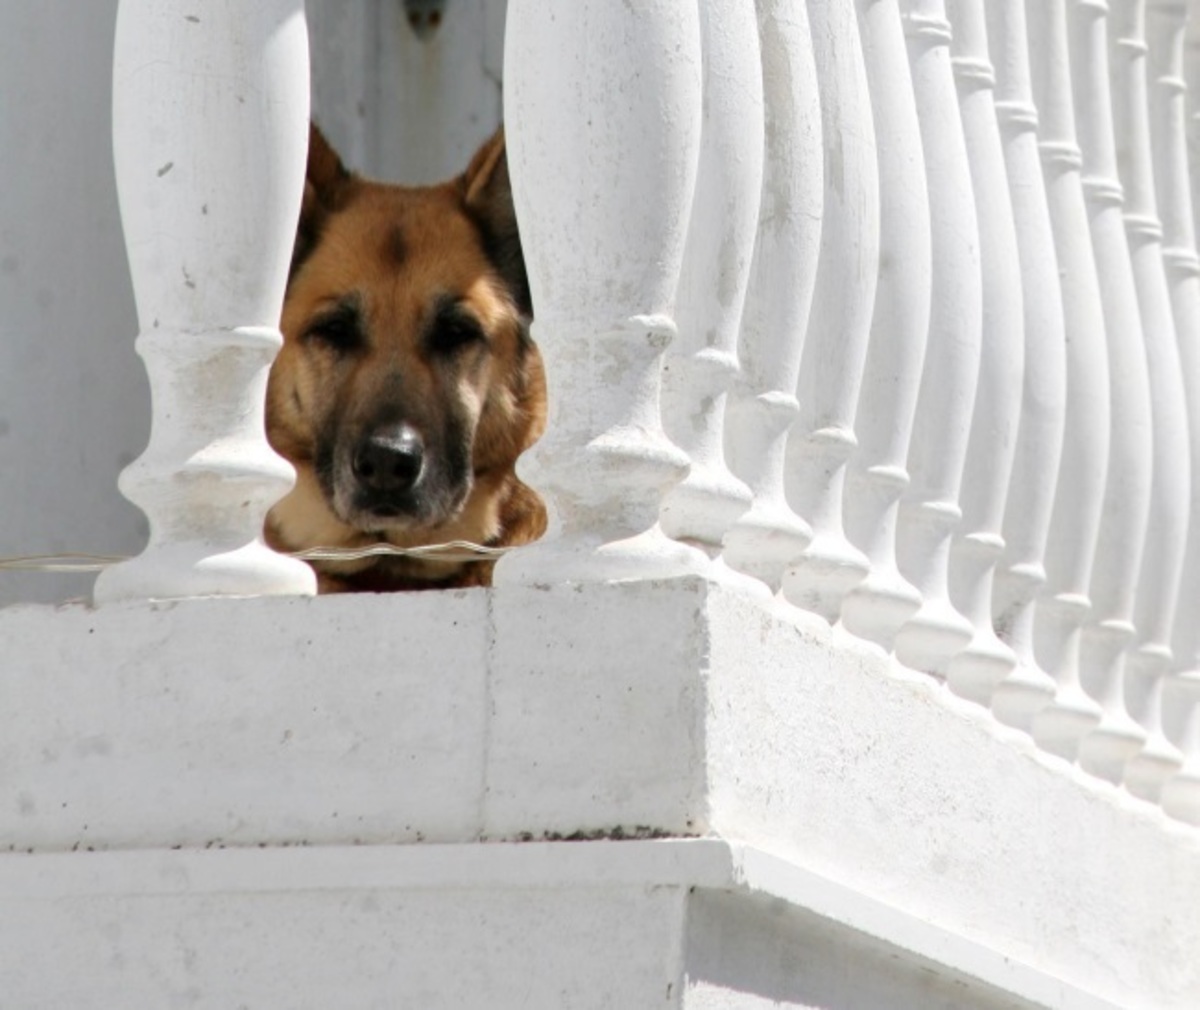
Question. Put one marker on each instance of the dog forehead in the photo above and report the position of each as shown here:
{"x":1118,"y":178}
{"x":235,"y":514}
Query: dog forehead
{"x":417,"y":238}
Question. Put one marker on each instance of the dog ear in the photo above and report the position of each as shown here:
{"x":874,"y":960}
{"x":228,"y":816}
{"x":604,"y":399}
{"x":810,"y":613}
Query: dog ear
{"x":487,"y":196}
{"x":324,"y":186}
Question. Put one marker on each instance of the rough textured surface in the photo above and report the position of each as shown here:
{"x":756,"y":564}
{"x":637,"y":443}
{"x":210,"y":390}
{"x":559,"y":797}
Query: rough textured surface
{"x":623,"y":710}
{"x":677,"y":924}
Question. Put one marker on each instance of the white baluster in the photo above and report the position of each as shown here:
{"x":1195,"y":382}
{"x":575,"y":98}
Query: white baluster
{"x":1109,"y":630}
{"x":877,"y":476}
{"x":930,"y":512}
{"x":1158,"y":582}
{"x":1191,"y":73}
{"x":603,"y":106}
{"x":840,"y":325}
{"x":1079,"y":496}
{"x":1022,"y":574}
{"x":977,"y":671}
{"x":762,"y":404}
{"x":210,"y":116}
{"x":1180,"y":796}
{"x":1168,"y":121}
{"x":702,"y":362}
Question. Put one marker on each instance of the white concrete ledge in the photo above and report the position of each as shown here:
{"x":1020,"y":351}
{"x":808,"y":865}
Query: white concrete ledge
{"x":673,"y":709}
{"x":692,"y":889}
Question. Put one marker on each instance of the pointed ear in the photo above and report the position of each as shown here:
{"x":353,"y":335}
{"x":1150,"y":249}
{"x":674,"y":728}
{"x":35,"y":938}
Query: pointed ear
{"x":325,"y":185}
{"x":487,"y":196}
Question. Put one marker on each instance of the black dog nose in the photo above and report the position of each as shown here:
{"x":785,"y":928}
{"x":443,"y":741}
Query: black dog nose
{"x":389,"y":460}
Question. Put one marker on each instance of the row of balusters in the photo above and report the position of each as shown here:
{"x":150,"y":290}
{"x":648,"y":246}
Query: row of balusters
{"x":913,"y":286}
{"x":886,"y":308}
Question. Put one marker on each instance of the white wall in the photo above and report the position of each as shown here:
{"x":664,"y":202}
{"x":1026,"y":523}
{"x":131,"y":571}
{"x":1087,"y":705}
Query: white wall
{"x":74,"y":403}
{"x":398,"y":107}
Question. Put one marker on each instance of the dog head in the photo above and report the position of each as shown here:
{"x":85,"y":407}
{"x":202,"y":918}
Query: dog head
{"x":407,"y":384}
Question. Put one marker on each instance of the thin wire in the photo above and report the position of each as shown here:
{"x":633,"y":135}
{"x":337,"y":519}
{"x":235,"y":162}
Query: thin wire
{"x":60,"y":562}
{"x":454,"y":550}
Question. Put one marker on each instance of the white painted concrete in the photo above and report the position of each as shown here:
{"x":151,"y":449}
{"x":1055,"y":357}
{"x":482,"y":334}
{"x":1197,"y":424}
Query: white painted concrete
{"x":210,"y":133}
{"x":690,"y":924}
{"x":661,"y":708}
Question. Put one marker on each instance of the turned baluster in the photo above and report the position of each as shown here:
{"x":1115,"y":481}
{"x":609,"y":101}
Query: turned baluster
{"x":603,"y":110}
{"x":1021,"y":576}
{"x":1166,"y":26}
{"x":762,"y":404}
{"x":1109,"y":628}
{"x":1166,"y":535}
{"x":1109,"y":631}
{"x":930,"y":513}
{"x":831,"y":371}
{"x":1079,"y":497}
{"x":701,"y":363}
{"x":210,"y":116}
{"x":1191,"y":74}
{"x":878,"y":606}
{"x":979,"y":668}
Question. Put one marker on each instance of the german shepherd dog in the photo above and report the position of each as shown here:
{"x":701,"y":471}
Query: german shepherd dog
{"x":407,"y":385}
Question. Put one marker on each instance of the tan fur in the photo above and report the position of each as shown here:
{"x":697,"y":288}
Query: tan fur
{"x":397,"y":251}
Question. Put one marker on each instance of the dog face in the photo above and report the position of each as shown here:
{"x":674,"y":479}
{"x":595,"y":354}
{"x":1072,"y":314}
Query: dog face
{"x":407,"y":384}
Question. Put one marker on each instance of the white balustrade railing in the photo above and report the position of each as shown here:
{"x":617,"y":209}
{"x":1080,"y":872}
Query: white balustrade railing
{"x":930,"y":514}
{"x":210,"y":116}
{"x":1167,"y":33}
{"x":879,"y":606}
{"x":1022,"y":576}
{"x":1109,"y":629}
{"x":701,"y":364}
{"x":1079,"y":496}
{"x":623,"y":175}
{"x":839,"y":326}
{"x":887,"y":310}
{"x":763,"y":406}
{"x":978,"y":670}
{"x":1162,"y":564}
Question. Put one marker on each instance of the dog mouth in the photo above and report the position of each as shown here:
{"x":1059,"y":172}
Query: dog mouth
{"x":371,"y":513}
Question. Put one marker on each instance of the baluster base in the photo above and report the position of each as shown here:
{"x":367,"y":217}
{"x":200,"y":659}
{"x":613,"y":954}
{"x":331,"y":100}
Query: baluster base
{"x":605,"y":463}
{"x":1028,"y":688}
{"x":879,"y":606}
{"x":704,"y":505}
{"x":1181,"y":793}
{"x":1021,"y":695}
{"x":1158,"y":759}
{"x":1147,"y":773}
{"x":1105,"y":750}
{"x":592,"y":557}
{"x":1072,"y":714}
{"x":186,"y":570}
{"x":937,"y":632}
{"x":821,"y":577}
{"x":985,"y":662}
{"x":764,"y":540}
{"x":208,"y":474}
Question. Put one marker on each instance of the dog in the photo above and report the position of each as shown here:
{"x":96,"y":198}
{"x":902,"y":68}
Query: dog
{"x":407,"y":384}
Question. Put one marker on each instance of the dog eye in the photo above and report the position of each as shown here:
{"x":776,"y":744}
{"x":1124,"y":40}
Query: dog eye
{"x":451,"y":335}
{"x":338,"y":331}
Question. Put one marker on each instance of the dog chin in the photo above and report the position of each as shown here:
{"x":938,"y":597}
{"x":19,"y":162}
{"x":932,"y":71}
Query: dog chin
{"x":383,"y":519}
